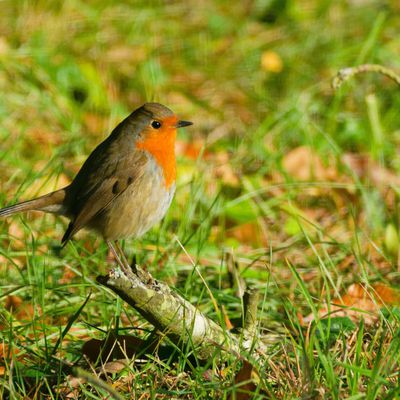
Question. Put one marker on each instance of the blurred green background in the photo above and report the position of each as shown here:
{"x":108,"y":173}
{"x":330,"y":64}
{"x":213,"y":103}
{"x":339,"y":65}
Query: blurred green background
{"x":278,"y":170}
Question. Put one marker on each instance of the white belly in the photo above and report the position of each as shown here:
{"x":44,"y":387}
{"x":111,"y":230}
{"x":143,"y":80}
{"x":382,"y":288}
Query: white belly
{"x":143,"y":204}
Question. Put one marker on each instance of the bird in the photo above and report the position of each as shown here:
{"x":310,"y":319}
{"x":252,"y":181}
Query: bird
{"x":125,"y":186}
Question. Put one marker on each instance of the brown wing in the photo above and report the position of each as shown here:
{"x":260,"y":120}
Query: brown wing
{"x":100,"y":188}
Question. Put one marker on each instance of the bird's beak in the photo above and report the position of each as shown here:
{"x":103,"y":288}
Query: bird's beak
{"x":181,"y":124}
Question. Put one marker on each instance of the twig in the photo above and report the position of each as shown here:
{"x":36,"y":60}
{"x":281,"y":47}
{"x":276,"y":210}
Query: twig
{"x":346,"y":73}
{"x":235,"y":279}
{"x":251,"y":299}
{"x":168,"y":311}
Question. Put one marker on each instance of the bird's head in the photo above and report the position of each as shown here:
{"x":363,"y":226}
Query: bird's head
{"x":157,"y":136}
{"x":160,"y":121}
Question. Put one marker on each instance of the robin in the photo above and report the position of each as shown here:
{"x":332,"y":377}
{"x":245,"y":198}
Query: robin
{"x":125,"y":186}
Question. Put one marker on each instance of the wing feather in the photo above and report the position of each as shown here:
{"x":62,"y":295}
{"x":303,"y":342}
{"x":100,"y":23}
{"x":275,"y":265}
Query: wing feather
{"x":100,"y":188}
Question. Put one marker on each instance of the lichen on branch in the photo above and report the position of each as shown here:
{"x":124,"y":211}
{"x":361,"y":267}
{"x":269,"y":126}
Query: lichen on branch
{"x":168,"y":311}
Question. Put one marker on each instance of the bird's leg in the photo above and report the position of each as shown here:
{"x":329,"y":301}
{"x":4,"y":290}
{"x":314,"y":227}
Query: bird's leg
{"x":124,"y":259}
{"x":115,"y":254}
{"x":132,"y":265}
{"x":143,"y":275}
{"x":134,"y":261}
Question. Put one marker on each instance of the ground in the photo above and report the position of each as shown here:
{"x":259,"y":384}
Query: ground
{"x":284,"y":185}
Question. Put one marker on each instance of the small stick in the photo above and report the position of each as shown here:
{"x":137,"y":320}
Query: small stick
{"x":251,"y":299}
{"x":346,"y":73}
{"x":169,"y":312}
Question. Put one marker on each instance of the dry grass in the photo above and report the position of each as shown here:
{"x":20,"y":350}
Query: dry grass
{"x":288,"y":182}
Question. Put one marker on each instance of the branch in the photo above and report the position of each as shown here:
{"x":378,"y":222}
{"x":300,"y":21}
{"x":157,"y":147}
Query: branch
{"x":346,"y":73}
{"x":168,"y":311}
{"x":251,"y":300}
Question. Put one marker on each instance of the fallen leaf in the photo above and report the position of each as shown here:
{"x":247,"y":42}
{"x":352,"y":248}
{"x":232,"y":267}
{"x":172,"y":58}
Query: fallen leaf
{"x":69,"y":388}
{"x":16,"y":233}
{"x":67,"y":276}
{"x":12,"y":303}
{"x":113,"y":367}
{"x":366,"y":168}
{"x":371,"y":298}
{"x":5,"y":353}
{"x":124,"y":55}
{"x":228,"y":324}
{"x":304,"y":164}
{"x":271,"y":62}
{"x":223,"y":169}
{"x":249,"y":233}
{"x":244,"y":383}
{"x":192,"y":149}
{"x":95,"y":123}
{"x":45,"y":138}
{"x":21,"y":310}
{"x":360,"y":302}
{"x":386,"y":295}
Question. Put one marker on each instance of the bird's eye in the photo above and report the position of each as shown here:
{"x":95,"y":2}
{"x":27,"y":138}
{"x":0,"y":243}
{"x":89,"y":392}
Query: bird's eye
{"x":156,"y":124}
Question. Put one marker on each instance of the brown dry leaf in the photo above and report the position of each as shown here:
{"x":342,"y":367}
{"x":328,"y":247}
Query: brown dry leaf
{"x":304,"y":164}
{"x":15,"y":230}
{"x":95,"y":123}
{"x":47,"y":139}
{"x":361,"y":302}
{"x":67,"y":276}
{"x":126,"y":55}
{"x":13,"y":303}
{"x":366,"y":168}
{"x":271,"y":62}
{"x":383,"y":294}
{"x":69,"y":388}
{"x":347,"y":263}
{"x":191,"y":150}
{"x":228,"y":324}
{"x":249,"y":233}
{"x":244,"y":382}
{"x":21,"y":310}
{"x":113,"y":367}
{"x":223,"y":169}
{"x":16,"y":233}
{"x":5,"y":353}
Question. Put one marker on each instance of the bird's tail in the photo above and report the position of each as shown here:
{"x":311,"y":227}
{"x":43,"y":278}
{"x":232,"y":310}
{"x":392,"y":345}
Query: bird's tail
{"x":52,"y":203}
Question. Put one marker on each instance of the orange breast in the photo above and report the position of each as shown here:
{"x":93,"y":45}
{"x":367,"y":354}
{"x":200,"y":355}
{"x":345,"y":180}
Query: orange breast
{"x":161,"y":145}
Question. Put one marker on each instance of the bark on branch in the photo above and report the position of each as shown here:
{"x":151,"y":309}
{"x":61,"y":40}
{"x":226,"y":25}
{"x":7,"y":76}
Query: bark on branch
{"x":168,"y":311}
{"x":251,"y":300}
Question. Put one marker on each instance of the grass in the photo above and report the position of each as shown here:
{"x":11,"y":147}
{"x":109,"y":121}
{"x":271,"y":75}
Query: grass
{"x":69,"y":71}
